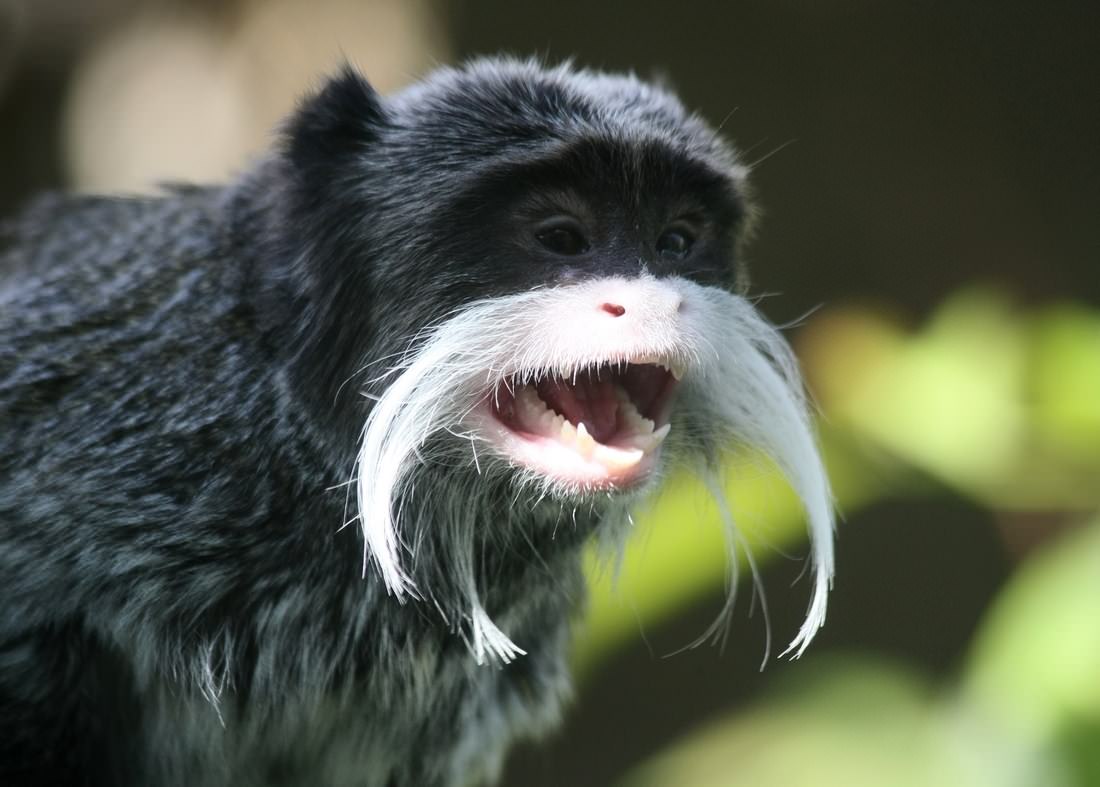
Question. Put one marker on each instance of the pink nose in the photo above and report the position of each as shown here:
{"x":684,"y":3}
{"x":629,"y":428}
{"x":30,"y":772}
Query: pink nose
{"x":614,"y":309}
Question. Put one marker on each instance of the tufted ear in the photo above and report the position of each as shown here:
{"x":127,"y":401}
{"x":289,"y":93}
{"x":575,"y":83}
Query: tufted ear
{"x":339,"y":120}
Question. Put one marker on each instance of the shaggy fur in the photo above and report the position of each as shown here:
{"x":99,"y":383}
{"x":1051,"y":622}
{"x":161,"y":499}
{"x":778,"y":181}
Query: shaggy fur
{"x":253,"y":528}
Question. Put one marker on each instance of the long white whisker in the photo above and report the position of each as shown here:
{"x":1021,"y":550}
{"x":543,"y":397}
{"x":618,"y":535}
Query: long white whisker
{"x":742,"y":382}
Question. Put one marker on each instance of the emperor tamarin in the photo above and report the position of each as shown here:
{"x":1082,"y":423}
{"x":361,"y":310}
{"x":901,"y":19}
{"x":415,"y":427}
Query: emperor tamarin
{"x":296,"y":472}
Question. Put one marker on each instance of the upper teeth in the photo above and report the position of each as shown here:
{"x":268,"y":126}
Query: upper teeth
{"x":673,"y":366}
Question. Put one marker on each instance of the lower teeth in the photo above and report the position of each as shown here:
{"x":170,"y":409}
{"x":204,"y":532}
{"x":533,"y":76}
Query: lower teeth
{"x":643,"y":440}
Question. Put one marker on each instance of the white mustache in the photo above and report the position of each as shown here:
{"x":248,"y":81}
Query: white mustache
{"x":741,"y":380}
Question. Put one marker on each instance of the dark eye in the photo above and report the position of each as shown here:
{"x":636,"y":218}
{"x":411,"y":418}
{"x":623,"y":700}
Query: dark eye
{"x":674,"y":244}
{"x":563,"y":238}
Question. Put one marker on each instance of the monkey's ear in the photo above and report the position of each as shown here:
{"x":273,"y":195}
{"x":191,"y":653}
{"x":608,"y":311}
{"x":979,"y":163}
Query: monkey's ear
{"x":340,"y":119}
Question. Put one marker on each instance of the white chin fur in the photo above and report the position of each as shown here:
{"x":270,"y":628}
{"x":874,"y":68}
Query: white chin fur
{"x":737,"y":371}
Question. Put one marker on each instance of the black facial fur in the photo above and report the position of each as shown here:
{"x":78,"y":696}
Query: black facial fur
{"x":180,"y":382}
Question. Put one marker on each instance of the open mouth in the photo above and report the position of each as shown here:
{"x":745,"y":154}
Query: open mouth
{"x":601,"y":427}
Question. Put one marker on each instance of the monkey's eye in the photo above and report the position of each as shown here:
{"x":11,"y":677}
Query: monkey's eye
{"x":562,"y":237}
{"x":675,"y":243}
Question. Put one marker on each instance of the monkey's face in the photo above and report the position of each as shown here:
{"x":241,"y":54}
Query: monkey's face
{"x":551,"y":256}
{"x":603,"y":245}
{"x":602,"y":352}
{"x":582,"y":339}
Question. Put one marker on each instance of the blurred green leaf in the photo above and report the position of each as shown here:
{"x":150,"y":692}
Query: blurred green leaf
{"x":1035,"y":663}
{"x":1078,"y":745}
{"x":948,"y":398}
{"x":1066,"y":380}
{"x":847,"y":723}
{"x":1000,"y":404}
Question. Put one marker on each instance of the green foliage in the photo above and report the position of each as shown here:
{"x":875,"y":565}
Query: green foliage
{"x":1035,"y":663}
{"x":850,"y":723}
{"x":1026,"y":710}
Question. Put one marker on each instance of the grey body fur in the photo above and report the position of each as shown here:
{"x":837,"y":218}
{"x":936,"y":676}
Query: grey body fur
{"x":170,"y":554}
{"x":179,"y":604}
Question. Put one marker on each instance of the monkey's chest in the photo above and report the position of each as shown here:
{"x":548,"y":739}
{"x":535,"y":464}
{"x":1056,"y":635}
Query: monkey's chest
{"x":433,"y":720}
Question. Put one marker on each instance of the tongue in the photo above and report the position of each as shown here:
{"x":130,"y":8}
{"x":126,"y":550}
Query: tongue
{"x":587,"y":400}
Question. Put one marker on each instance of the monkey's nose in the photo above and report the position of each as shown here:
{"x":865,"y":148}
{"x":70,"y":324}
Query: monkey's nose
{"x":633,"y":302}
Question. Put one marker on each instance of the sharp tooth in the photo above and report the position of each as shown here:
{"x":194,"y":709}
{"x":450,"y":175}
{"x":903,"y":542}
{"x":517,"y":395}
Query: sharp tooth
{"x":568,"y":432}
{"x":647,"y":442}
{"x":677,"y":370}
{"x":586,"y":444}
{"x":617,"y":458}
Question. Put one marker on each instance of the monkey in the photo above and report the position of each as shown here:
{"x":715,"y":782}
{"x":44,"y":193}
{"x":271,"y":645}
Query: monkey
{"x":297,"y":470}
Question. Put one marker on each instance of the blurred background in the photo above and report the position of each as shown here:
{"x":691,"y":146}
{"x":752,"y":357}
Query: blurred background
{"x":931,"y":190}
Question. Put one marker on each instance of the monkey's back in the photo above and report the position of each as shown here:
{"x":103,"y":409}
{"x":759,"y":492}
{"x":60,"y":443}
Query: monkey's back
{"x":123,"y":345}
{"x":90,"y":288}
{"x":128,"y":370}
